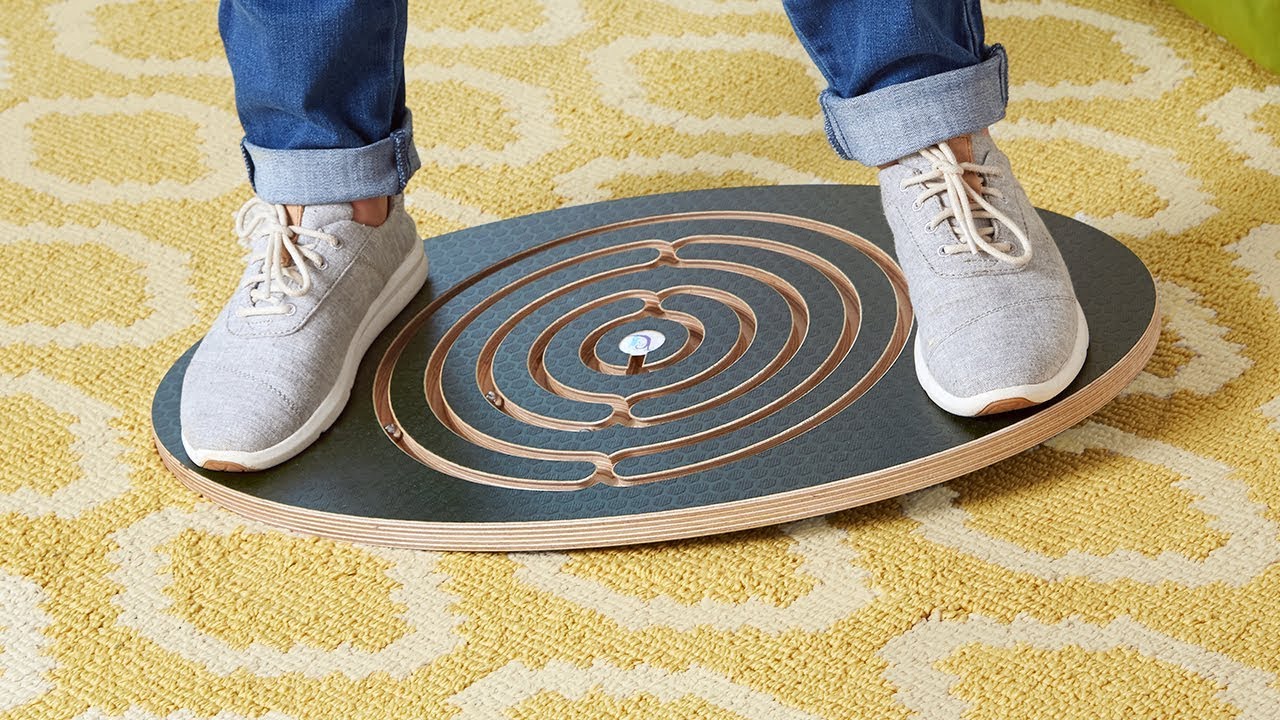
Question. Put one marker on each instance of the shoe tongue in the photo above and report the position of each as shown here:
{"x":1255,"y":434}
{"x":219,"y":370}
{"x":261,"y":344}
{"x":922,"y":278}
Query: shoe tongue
{"x":963,"y":148}
{"x":315,"y":217}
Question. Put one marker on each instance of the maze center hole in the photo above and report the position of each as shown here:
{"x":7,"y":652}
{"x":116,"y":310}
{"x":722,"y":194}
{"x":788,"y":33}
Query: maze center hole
{"x":601,"y":349}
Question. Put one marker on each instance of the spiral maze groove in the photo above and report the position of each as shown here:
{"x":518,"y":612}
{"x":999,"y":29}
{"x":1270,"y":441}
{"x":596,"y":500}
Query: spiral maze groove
{"x":515,"y":377}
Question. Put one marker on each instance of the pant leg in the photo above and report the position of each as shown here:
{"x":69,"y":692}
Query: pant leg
{"x":902,"y":74}
{"x":320,"y":92}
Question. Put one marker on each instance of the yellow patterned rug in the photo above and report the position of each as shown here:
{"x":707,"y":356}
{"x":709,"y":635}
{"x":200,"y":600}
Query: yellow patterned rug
{"x":1130,"y":568}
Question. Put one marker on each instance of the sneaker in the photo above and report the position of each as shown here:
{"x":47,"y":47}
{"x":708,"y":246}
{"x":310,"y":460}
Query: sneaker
{"x":998,"y":324}
{"x":276,"y":368}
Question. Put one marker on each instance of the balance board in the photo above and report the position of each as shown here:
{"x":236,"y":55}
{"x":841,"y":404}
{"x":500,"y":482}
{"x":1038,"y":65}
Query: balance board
{"x":655,"y":368}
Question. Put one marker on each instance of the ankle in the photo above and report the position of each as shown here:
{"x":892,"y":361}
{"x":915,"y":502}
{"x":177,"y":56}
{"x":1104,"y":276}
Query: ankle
{"x":371,"y":211}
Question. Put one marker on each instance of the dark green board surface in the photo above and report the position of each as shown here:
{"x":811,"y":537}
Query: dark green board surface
{"x":355,"y":470}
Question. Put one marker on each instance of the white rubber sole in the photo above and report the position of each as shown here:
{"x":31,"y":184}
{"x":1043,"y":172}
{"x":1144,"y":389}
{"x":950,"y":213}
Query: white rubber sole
{"x":1013,"y":397}
{"x":404,"y":283}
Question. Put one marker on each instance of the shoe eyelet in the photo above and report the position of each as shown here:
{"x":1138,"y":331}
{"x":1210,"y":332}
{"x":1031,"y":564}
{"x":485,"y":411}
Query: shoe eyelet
{"x":322,"y":264}
{"x":292,"y":309}
{"x":335,"y":243}
{"x":917,"y":205}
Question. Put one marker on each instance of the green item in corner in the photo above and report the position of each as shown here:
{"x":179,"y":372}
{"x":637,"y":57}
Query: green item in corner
{"x":1251,"y":25}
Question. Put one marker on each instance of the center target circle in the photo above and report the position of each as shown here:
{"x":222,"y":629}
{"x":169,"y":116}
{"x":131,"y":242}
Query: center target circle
{"x":516,"y":392}
{"x":642,"y":343}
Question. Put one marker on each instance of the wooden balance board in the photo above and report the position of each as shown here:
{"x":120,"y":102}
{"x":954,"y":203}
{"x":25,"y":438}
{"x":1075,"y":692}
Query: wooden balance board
{"x":655,"y":368}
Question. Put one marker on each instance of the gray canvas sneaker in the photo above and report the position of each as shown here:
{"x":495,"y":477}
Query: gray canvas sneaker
{"x":276,"y":368}
{"x":998,"y":324}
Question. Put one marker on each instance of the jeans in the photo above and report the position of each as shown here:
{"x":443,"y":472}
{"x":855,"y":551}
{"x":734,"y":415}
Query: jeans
{"x":320,"y":93}
{"x":902,"y":74}
{"x":320,"y":86}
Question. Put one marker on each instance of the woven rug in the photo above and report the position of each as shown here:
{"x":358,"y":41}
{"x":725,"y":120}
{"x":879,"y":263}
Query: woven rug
{"x":1129,"y":568}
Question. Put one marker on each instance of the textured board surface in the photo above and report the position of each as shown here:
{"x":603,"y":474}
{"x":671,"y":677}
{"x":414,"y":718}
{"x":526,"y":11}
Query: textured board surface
{"x":496,"y":411}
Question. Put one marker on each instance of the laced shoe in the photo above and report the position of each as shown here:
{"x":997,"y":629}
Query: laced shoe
{"x":998,"y":324}
{"x":277,"y":367}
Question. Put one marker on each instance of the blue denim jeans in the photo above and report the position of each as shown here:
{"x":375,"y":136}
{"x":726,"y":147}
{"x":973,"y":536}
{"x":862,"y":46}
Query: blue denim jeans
{"x":321,"y":95}
{"x":901,"y":74}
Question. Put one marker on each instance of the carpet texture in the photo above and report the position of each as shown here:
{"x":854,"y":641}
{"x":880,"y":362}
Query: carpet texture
{"x":1129,"y":568}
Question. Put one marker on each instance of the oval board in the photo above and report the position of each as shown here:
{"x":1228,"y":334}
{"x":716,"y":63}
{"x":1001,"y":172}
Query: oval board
{"x":503,"y":411}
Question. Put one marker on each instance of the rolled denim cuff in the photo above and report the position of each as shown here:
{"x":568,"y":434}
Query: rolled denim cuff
{"x":318,"y":177}
{"x":895,"y":121}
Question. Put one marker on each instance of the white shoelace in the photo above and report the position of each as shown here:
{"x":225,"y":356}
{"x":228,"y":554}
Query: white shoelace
{"x":947,"y":177}
{"x":277,"y":279}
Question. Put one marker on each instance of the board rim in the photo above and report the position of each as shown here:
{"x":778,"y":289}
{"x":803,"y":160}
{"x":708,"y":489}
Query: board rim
{"x":683,"y":523}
